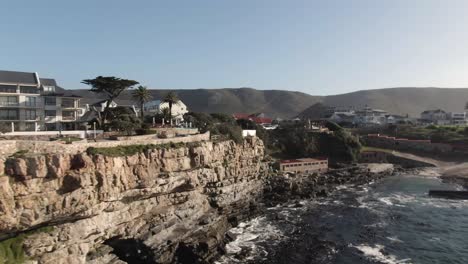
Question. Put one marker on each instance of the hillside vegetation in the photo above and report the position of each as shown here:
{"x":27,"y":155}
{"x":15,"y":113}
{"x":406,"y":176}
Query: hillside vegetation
{"x":286,"y":104}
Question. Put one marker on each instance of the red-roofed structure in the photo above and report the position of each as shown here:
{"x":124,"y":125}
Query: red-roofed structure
{"x":257,"y":118}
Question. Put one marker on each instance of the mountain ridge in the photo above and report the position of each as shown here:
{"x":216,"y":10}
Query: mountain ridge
{"x":286,"y":104}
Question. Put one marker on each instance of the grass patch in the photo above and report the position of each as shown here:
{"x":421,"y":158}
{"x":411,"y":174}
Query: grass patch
{"x":11,"y":250}
{"x":122,"y":151}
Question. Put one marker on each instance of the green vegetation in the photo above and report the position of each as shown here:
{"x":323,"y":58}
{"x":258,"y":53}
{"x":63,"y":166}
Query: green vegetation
{"x":297,"y":142}
{"x":171,"y":98}
{"x":142,"y":95}
{"x":122,"y":151}
{"x":222,"y":125}
{"x":111,"y":87}
{"x":11,"y":250}
{"x":123,"y":120}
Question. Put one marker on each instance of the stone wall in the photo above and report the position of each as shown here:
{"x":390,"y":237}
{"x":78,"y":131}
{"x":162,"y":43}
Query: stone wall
{"x":161,"y":204}
{"x":56,"y":147}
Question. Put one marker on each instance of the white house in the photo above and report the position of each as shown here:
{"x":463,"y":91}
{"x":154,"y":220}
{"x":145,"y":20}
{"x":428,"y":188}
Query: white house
{"x":438,"y":117}
{"x":156,"y":106}
{"x":457,"y":118}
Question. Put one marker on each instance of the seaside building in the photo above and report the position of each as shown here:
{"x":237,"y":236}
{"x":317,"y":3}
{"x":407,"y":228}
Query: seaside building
{"x":31,"y":103}
{"x":179,"y":109}
{"x":305,"y":165}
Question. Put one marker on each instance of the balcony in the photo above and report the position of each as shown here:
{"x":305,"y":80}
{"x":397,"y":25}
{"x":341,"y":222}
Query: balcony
{"x":68,"y":118}
{"x":9,"y":104}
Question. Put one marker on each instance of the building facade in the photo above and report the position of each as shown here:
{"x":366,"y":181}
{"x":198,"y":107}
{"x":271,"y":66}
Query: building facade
{"x":31,"y":103}
{"x":306,"y":165}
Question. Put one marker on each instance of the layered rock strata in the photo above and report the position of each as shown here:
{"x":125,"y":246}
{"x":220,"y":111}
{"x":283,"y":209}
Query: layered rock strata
{"x":161,"y":206}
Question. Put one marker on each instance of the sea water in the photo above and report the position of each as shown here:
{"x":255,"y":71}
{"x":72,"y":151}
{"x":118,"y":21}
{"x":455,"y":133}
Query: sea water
{"x":391,"y":221}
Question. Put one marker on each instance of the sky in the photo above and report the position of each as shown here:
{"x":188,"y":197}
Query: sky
{"x":318,"y":47}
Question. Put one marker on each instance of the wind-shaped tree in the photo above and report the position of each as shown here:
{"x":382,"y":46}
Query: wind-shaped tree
{"x":111,"y":87}
{"x":142,"y":95}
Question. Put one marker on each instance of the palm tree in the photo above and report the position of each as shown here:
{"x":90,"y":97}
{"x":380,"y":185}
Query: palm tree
{"x":142,"y":95}
{"x":171,"y":98}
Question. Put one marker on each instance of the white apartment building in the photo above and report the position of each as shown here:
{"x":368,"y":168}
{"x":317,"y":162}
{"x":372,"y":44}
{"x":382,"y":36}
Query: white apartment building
{"x":31,"y":103}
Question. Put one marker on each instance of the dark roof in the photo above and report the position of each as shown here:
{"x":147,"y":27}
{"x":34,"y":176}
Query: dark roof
{"x":17,"y":77}
{"x":48,"y":82}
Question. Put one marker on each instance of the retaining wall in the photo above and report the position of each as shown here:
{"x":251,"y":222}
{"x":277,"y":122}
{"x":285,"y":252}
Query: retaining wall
{"x":8,"y":147}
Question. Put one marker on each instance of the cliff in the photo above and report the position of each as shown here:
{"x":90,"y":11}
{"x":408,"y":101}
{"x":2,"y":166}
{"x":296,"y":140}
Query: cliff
{"x":162,"y":204}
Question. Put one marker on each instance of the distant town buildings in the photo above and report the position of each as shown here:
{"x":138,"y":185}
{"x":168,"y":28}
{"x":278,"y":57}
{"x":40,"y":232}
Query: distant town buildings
{"x":364,"y":117}
{"x":440,"y":117}
{"x":306,"y":165}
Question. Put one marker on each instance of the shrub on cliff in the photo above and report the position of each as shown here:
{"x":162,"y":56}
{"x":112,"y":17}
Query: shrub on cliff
{"x":298,"y":142}
{"x":218,"y":124}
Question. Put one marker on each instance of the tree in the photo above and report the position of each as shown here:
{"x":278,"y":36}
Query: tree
{"x":171,"y":98}
{"x":123,"y":119}
{"x":142,"y":95}
{"x":111,"y":87}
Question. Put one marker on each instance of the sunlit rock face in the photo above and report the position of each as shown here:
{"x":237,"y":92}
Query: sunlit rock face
{"x":160,"y":206}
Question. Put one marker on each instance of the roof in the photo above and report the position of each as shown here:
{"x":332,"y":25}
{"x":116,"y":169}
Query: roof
{"x":48,"y":82}
{"x":253,"y":117}
{"x":18,"y":77}
{"x":433,"y":111}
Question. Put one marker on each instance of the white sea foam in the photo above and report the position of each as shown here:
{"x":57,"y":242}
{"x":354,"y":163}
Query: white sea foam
{"x":248,"y":235}
{"x":375,"y":253}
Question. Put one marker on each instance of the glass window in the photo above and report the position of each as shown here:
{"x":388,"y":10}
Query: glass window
{"x":7,"y":88}
{"x":8,"y":100}
{"x":49,"y":89}
{"x":29,"y":89}
{"x":8,"y":114}
{"x":68,"y":103}
{"x":68,"y":115}
{"x":30,"y":114}
{"x":50,"y":113}
{"x":50,"y":100}
{"x":30,"y":101}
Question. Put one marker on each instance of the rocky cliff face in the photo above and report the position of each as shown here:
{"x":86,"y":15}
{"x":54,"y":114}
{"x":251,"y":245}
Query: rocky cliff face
{"x":160,"y":206}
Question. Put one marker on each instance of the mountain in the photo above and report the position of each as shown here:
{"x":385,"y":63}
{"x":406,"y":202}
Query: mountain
{"x":285,"y":104}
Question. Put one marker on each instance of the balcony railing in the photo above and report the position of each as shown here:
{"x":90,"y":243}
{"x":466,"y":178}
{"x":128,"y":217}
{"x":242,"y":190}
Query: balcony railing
{"x":68,"y":118}
{"x":9,"y":104}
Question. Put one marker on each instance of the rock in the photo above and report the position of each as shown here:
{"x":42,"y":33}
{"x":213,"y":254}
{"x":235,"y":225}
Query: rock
{"x":146,"y":199}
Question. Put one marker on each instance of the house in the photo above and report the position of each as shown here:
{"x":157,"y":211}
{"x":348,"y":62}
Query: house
{"x":306,"y":165}
{"x":258,"y":118}
{"x":179,"y":109}
{"x":31,"y":103}
{"x":437,"y":117}
{"x":457,"y":118}
{"x":92,"y":108}
{"x":370,"y":117}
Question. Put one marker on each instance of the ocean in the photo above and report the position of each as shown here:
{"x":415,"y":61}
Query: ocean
{"x":390,"y":221}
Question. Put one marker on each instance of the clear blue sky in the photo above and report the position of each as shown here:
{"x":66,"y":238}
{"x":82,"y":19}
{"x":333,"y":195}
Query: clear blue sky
{"x":318,"y":47}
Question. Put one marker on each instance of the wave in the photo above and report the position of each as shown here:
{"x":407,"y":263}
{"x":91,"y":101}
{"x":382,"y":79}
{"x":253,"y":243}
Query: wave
{"x":375,"y":253}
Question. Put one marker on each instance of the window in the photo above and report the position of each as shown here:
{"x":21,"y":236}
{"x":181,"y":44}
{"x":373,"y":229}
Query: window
{"x":30,"y":101}
{"x":9,"y":114}
{"x":49,"y":89}
{"x":50,"y":100}
{"x":30,"y":114}
{"x":68,"y":103}
{"x":8,"y":101}
{"x":50,"y":113}
{"x":29,"y":89}
{"x":7,"y":88}
{"x":68,"y":115}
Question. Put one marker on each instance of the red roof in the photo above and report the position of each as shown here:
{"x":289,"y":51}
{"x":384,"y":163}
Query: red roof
{"x":258,"y":120}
